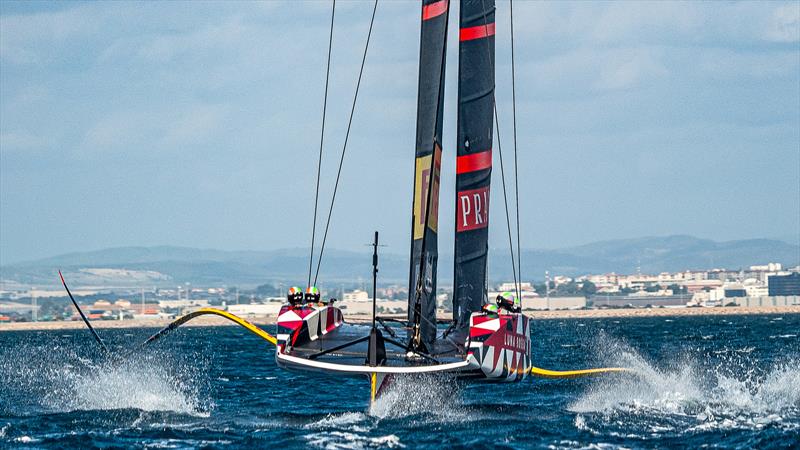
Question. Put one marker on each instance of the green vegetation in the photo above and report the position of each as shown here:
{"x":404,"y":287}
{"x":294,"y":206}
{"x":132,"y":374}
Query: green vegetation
{"x":571,"y":289}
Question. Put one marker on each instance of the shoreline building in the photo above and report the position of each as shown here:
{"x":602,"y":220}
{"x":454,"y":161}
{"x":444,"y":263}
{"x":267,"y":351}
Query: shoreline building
{"x":781,"y":285}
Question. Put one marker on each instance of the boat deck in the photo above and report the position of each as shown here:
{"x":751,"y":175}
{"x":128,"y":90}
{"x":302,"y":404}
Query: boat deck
{"x":332,"y":349}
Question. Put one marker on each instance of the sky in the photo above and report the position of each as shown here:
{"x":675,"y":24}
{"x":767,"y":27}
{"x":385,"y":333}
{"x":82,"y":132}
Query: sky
{"x":198,"y":123}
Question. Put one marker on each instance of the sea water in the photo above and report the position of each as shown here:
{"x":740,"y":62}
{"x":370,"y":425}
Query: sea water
{"x":721,"y":381}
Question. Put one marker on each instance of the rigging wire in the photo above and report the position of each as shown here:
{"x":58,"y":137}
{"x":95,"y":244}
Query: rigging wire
{"x":505,"y":200}
{"x":502,"y":168}
{"x":516,"y":163}
{"x":344,"y":147}
{"x":321,"y":140}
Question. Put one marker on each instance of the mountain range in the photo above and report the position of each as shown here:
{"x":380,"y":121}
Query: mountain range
{"x":166,"y":265}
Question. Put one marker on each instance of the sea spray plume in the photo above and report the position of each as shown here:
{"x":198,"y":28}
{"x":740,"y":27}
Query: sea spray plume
{"x":420,"y":395}
{"x":688,"y":395}
{"x":143,"y":382}
{"x":54,"y":378}
{"x":643,"y":386}
{"x":776,"y":392}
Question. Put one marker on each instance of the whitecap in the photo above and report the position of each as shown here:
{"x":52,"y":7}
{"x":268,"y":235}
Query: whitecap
{"x":337,"y":421}
{"x":336,"y":440}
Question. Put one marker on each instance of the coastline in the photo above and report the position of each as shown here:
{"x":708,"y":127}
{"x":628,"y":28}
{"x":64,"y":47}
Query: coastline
{"x":213,"y":321}
{"x":664,"y":312}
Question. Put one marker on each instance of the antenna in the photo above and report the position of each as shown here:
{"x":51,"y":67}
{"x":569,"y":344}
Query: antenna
{"x":376,"y":352}
{"x":374,"y":279}
{"x":547,"y":287}
{"x":34,"y":308}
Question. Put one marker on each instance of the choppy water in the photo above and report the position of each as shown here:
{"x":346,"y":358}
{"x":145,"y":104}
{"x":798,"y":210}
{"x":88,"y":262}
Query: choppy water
{"x":717,"y":381}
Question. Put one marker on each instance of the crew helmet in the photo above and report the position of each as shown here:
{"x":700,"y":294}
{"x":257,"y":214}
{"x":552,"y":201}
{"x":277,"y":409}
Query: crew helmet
{"x":509,"y":301}
{"x":312,"y":294}
{"x":490,"y":308}
{"x":295,"y":295}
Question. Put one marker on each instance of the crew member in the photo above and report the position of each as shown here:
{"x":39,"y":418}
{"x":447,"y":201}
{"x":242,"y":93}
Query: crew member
{"x":295,"y":296}
{"x":312,"y":296}
{"x":509,"y":302}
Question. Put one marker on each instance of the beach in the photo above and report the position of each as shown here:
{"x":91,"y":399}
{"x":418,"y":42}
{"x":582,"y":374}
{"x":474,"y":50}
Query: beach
{"x":555,"y":314}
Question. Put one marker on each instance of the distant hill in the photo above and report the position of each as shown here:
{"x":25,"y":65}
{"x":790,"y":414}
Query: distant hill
{"x":658,"y":254}
{"x":202,"y":267}
{"x":167,"y":266}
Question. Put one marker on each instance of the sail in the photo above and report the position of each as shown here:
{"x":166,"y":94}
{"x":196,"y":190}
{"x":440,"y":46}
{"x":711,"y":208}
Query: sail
{"x":430,"y":105}
{"x":474,"y":160}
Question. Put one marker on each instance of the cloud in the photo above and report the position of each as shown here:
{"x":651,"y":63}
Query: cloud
{"x":627,"y":68}
{"x":619,"y":23}
{"x":193,"y":125}
{"x":24,"y":38}
{"x":165,"y":48}
{"x":225,"y":98}
{"x":716,"y":63}
{"x":22,"y":140}
{"x":153,"y":131}
{"x":587,"y":71}
{"x":785,"y":24}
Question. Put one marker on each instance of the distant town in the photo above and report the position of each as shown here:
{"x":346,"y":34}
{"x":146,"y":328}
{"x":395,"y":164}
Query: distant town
{"x":758,"y":285}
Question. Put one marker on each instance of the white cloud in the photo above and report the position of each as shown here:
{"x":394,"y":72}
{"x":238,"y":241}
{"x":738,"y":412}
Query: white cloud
{"x":628,"y":68}
{"x":118,"y":130}
{"x":229,"y":34}
{"x":24,"y":38}
{"x":22,"y":140}
{"x":193,"y":125}
{"x":621,"y":21}
{"x":232,"y":93}
{"x":785,"y":24}
{"x":716,"y":63}
{"x":585,"y":71}
{"x":153,"y":131}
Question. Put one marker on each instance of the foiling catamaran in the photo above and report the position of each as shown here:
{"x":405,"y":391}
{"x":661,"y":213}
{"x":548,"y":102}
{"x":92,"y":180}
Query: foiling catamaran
{"x":480,"y":343}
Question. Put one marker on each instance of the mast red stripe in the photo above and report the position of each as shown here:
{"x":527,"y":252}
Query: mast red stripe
{"x":434,"y":9}
{"x":473,"y":162}
{"x":481,"y":31}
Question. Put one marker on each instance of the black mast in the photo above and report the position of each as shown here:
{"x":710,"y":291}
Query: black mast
{"x":474,"y":161}
{"x":430,"y":101}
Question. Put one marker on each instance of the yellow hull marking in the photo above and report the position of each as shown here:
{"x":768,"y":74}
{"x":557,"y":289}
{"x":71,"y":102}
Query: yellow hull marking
{"x":374,"y":386}
{"x":218,"y":312}
{"x":546,"y":373}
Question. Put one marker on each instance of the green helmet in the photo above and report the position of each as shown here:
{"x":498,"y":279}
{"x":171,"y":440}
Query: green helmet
{"x":295,"y":295}
{"x":490,"y":308}
{"x":509,"y":301}
{"x":312,"y":294}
